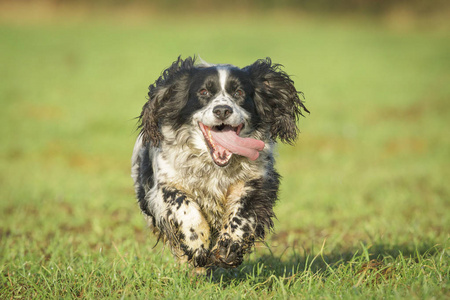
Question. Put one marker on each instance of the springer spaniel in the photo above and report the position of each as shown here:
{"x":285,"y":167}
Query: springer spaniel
{"x":203,"y":164}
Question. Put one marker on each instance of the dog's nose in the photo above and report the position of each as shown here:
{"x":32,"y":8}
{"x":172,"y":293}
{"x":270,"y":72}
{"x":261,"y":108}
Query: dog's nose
{"x":222,"y":111}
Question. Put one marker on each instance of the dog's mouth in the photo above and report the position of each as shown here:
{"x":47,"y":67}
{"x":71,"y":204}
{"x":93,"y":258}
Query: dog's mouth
{"x":223,"y":141}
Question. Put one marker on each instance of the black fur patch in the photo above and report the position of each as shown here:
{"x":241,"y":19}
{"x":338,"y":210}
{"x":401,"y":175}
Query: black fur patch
{"x":276,"y":99}
{"x":145,"y":178}
{"x":259,"y":202}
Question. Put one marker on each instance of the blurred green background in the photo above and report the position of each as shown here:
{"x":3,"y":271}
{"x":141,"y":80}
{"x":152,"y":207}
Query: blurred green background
{"x":370,"y":166}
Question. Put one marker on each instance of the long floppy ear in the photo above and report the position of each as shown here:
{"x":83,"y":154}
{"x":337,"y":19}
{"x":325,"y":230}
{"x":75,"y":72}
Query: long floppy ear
{"x":276,"y":99}
{"x":162,"y":99}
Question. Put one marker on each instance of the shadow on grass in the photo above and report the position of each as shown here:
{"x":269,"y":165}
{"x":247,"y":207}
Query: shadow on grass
{"x":289,"y":265}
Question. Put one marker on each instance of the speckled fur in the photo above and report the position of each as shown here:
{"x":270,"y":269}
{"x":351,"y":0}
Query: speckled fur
{"x":210,"y":215}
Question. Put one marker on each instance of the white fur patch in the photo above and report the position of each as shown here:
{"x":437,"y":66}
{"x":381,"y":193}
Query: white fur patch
{"x":223,"y":75}
{"x":136,"y":157}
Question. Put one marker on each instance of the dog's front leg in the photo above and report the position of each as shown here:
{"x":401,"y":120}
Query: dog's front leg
{"x":182,"y":224}
{"x":249,"y":214}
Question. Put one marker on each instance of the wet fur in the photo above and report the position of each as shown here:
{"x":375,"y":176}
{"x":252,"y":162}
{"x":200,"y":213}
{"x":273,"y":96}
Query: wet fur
{"x":211,"y":215}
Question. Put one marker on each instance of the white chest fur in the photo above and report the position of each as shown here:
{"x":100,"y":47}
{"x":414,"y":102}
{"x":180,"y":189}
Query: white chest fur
{"x":183,"y":162}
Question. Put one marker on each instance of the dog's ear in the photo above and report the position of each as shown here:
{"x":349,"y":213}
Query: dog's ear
{"x":163,"y":100}
{"x":276,"y":99}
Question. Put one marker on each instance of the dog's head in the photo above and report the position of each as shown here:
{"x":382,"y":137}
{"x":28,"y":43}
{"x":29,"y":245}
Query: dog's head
{"x":236,"y":110}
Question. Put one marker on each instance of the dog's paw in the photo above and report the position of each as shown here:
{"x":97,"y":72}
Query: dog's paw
{"x":200,"y":258}
{"x":227,"y":254}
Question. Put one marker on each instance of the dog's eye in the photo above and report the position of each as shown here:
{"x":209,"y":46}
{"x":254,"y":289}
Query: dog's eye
{"x":238,"y":93}
{"x":204,"y":92}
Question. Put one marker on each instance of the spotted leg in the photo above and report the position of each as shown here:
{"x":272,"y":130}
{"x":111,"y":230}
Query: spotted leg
{"x":182,"y":225}
{"x":249,"y":214}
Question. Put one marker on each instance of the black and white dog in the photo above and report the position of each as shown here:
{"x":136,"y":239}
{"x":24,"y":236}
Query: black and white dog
{"x":203,"y":164}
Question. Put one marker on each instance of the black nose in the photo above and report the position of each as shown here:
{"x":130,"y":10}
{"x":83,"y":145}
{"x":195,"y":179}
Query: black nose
{"x":222,"y":111}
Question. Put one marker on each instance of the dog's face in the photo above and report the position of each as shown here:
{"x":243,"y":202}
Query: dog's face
{"x":236,"y":111}
{"x":222,"y":96}
{"x":225,"y":112}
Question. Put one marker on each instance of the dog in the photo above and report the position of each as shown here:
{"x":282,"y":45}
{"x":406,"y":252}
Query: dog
{"x":203,"y":162}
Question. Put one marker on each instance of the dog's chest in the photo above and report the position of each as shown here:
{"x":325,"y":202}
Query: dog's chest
{"x":215,"y":190}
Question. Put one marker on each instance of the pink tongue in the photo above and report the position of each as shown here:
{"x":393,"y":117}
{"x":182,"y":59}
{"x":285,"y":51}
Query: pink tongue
{"x":247,"y":147}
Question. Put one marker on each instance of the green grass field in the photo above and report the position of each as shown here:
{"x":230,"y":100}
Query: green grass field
{"x":364,"y":210}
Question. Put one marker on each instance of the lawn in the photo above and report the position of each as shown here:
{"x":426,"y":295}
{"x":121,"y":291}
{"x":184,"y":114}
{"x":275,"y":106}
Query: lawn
{"x":364,"y":208}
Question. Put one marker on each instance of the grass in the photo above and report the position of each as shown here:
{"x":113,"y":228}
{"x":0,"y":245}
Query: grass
{"x":365,"y":199}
